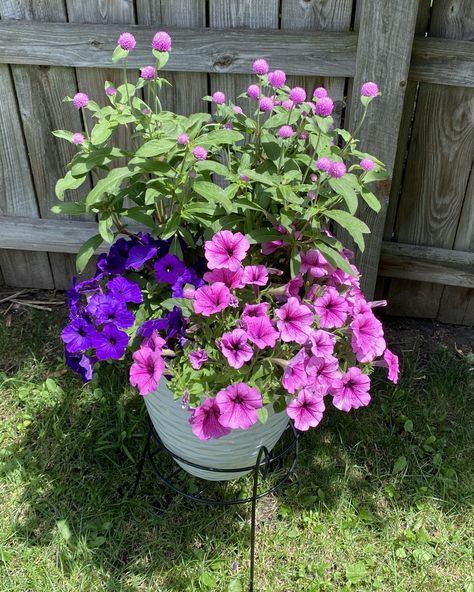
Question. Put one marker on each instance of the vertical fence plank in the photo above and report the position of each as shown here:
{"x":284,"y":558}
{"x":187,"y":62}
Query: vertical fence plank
{"x":386,"y":32}
{"x":188,"y":88}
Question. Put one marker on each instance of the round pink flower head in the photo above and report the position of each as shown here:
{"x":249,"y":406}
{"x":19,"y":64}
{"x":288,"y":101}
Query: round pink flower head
{"x":277,"y":78}
{"x":311,"y":195}
{"x":80,"y":100}
{"x":287,"y":104}
{"x":111,"y":91}
{"x":266,"y":104}
{"x":286,"y":131}
{"x":253,"y":92}
{"x":200,"y":153}
{"x":78,"y":139}
{"x":126,"y":41}
{"x":260,"y":66}
{"x":323,"y":164}
{"x":183,"y":139}
{"x":238,"y":404}
{"x":337,"y":170}
{"x":148,"y":73}
{"x":314,"y":178}
{"x":320,"y":92}
{"x":324,"y":107}
{"x":218,"y":98}
{"x":161,"y":41}
{"x":369,"y":89}
{"x":367,"y":164}
{"x":237,"y":109}
{"x":297,"y":95}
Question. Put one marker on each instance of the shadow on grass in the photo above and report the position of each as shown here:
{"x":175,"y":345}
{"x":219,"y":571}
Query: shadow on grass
{"x":75,"y":455}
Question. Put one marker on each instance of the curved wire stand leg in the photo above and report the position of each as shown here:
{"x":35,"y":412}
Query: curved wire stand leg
{"x":146,"y":450}
{"x":262,"y":453}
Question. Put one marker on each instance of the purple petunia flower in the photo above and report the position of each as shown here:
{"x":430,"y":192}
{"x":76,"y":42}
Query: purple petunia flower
{"x":77,"y":335}
{"x":147,"y":328}
{"x":176,"y":323}
{"x":124,"y":290}
{"x":168,"y":269}
{"x":198,"y":358}
{"x":110,"y":343}
{"x":260,"y":331}
{"x":161,"y":41}
{"x":81,"y":364}
{"x":188,"y":277}
{"x":114,"y":311}
{"x":117,"y":258}
{"x":139,"y":255}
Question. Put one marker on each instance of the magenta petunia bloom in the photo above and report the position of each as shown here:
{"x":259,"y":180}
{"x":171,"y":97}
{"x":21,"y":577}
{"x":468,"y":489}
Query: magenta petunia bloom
{"x":110,"y":343}
{"x":255,"y":310}
{"x":367,"y":337}
{"x":253,"y":91}
{"x":294,"y":376}
{"x":323,"y":164}
{"x":260,"y":331}
{"x":307,"y":409}
{"x":260,"y":66}
{"x":320,"y":92}
{"x":218,"y":98}
{"x":337,"y":170}
{"x":168,"y":269}
{"x":286,"y":131}
{"x":393,"y":365}
{"x":78,"y":139}
{"x":226,"y":250}
{"x":197,"y":358}
{"x":183,"y":139}
{"x":352,"y":390}
{"x":277,"y":78}
{"x":315,"y":264}
{"x":154,"y":342}
{"x":331,"y":308}
{"x":323,"y":371}
{"x":295,"y":320}
{"x":124,"y":290}
{"x":255,"y":275}
{"x":238,"y":404}
{"x":234,"y":346}
{"x":294,"y":286}
{"x":297,"y":95}
{"x":161,"y":41}
{"x":80,"y":100}
{"x":148,"y":73}
{"x":211,"y":299}
{"x":369,"y":89}
{"x":232,"y":279}
{"x":265,"y":104}
{"x":205,"y":421}
{"x":324,"y":107}
{"x":147,"y":369}
{"x":322,"y":343}
{"x":200,"y":153}
{"x":111,"y":91}
{"x":126,"y":41}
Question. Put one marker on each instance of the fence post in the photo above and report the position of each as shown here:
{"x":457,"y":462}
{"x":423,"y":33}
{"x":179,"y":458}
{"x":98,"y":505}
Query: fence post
{"x":386,"y":32}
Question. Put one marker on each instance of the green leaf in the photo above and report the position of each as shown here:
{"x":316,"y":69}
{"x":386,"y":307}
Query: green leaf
{"x":63,"y":134}
{"x":281,"y":119}
{"x":370,"y":200}
{"x":295,"y":262}
{"x":355,"y":227}
{"x":155,"y":147}
{"x":399,"y":465}
{"x":68,"y":182}
{"x":63,"y":530}
{"x":105,"y":230}
{"x":185,"y":304}
{"x":175,"y":247}
{"x":101,"y":132}
{"x":139,"y":216}
{"x":261,"y":178}
{"x":162,"y":57}
{"x":213,"y":193}
{"x":119,"y":54}
{"x":343,"y":188}
{"x":372,"y":176}
{"x":171,"y":226}
{"x":236,"y":586}
{"x":69,"y":207}
{"x":334,"y":258}
{"x":214,"y":167}
{"x":217,"y":137}
{"x":263,"y":235}
{"x":272,"y":150}
{"x":356,"y":572}
{"x":188,"y":237}
{"x":110,"y":184}
{"x":86,"y":252}
{"x":262,"y":414}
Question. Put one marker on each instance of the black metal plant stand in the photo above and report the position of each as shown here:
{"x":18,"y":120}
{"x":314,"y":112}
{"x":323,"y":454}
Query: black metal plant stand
{"x":265,"y":462}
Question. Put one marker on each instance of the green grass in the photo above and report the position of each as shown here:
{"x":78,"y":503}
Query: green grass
{"x":382,"y":498}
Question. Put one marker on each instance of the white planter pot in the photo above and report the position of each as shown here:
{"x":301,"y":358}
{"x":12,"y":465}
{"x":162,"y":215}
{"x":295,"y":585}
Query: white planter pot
{"x":238,"y":449}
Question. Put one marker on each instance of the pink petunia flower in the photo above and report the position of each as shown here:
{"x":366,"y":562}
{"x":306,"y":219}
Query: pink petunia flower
{"x":322,"y":343}
{"x":255,"y":275}
{"x":226,"y":250}
{"x":315,"y":264}
{"x":205,"y":421}
{"x":323,"y":371}
{"x":367,"y":337}
{"x":352,"y":391}
{"x":331,"y":308}
{"x":232,"y":279}
{"x":155,"y":342}
{"x":211,"y":299}
{"x":294,"y":376}
{"x":393,"y":365}
{"x":255,"y":310}
{"x":197,"y":358}
{"x":295,"y":320}
{"x":260,"y":331}
{"x":307,"y":409}
{"x":238,"y":404}
{"x":294,"y":286}
{"x":147,"y":368}
{"x":235,"y":348}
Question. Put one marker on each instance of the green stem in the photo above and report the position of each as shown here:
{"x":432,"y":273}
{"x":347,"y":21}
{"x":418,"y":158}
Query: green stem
{"x":126,"y":81}
{"x":354,"y":135}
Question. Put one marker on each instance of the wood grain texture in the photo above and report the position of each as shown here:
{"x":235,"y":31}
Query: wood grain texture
{"x":185,"y":94}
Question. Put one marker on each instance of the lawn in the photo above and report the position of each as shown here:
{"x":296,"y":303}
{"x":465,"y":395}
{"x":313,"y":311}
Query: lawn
{"x":382,"y":498}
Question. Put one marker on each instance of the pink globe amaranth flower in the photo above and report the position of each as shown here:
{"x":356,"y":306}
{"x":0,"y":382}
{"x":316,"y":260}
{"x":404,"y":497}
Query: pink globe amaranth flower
{"x":367,"y":340}
{"x":314,"y":177}
{"x":277,"y":78}
{"x":205,"y":421}
{"x":337,"y":170}
{"x":80,"y":100}
{"x":234,"y":346}
{"x":197,"y":358}
{"x":295,"y":320}
{"x":260,"y":331}
{"x":286,"y":131}
{"x":218,"y":98}
{"x":297,"y":95}
{"x":255,"y":275}
{"x":78,"y":139}
{"x":367,"y":164}
{"x":303,"y":136}
{"x":211,"y":299}
{"x":255,"y":310}
{"x":260,"y":66}
{"x":237,"y":109}
{"x":229,"y":125}
{"x":111,"y":91}
{"x":226,"y":250}
{"x":126,"y":41}
{"x":323,"y":164}
{"x":323,"y":371}
{"x":294,"y":375}
{"x":369,"y":89}
{"x":147,"y":368}
{"x":322,"y":343}
{"x":161,"y":41}
{"x":253,"y":92}
{"x":331,"y":308}
{"x":314,"y":264}
{"x":320,"y":92}
{"x":238,"y":404}
{"x":265,"y":104}
{"x":393,"y":365}
{"x":324,"y":107}
{"x":307,"y":409}
{"x":200,"y":153}
{"x":183,"y":139}
{"x":352,"y":390}
{"x":288,"y":104}
{"x":232,"y":279}
{"x":148,"y":72}
{"x":244,"y":178}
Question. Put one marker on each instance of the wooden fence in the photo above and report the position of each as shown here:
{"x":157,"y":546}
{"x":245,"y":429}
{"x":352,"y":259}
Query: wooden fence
{"x":422,"y":56}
